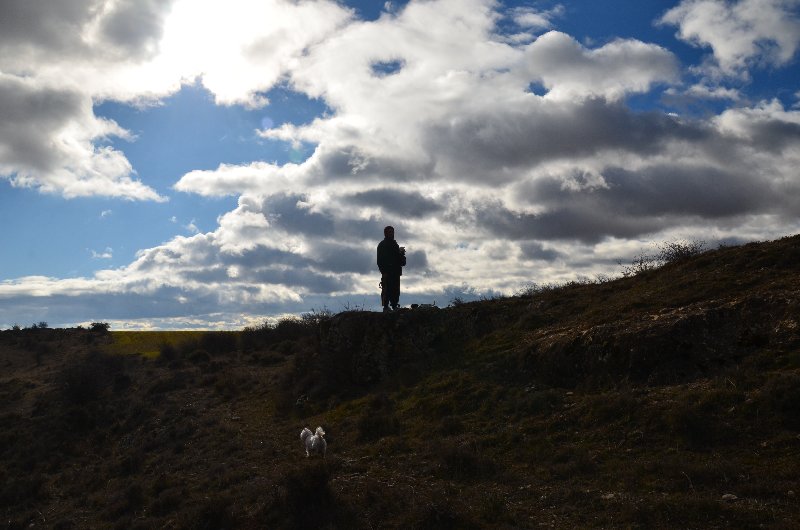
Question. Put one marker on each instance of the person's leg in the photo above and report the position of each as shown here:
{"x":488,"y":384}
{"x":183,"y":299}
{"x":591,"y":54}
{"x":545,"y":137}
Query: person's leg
{"x":394,"y":296}
{"x":385,"y":288}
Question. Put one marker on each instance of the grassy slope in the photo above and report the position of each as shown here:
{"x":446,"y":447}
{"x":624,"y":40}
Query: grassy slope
{"x":484,"y":439}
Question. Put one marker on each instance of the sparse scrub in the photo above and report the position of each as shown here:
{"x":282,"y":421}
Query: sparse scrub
{"x":217,"y":343}
{"x":464,"y":461}
{"x":229,"y":385}
{"x":456,"y":301}
{"x":666,"y":253}
{"x":676,"y":251}
{"x":167,"y":353}
{"x":438,"y":516}
{"x":86,"y":377}
{"x":482,"y":435}
{"x":309,"y":501}
{"x":289,"y":329}
{"x":199,"y":357}
{"x":378,"y":420}
{"x":697,"y":419}
{"x":781,"y":398}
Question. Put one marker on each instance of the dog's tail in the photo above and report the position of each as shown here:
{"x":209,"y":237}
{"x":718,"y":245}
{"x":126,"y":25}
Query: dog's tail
{"x":305,"y":433}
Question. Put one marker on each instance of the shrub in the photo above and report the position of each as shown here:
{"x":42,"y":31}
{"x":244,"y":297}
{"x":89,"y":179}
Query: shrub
{"x":309,"y":500}
{"x":465,"y":462}
{"x":100,"y":327}
{"x":286,"y":329}
{"x":674,"y":251}
{"x":215,"y":512}
{"x":441,"y":517}
{"x":85,"y":377}
{"x":167,"y":352}
{"x":218,"y":342}
{"x":457,"y":301}
{"x":640,"y":264}
{"x":20,"y":489}
{"x":199,"y":357}
{"x":668,"y":252}
{"x":378,"y":421}
{"x":781,"y":395}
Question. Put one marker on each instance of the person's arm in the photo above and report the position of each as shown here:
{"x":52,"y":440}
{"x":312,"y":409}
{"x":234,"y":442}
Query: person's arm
{"x":381,"y":258}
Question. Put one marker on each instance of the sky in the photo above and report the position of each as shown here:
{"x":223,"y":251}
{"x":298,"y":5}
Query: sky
{"x":193,"y":164}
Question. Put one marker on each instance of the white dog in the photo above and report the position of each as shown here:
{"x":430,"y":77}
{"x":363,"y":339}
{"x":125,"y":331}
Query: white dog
{"x":315,"y":443}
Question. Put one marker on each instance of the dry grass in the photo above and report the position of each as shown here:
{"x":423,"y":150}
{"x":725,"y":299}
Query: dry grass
{"x":148,"y":343}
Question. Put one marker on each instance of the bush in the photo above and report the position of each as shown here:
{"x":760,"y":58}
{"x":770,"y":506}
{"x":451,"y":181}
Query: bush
{"x":167,"y":352}
{"x":438,"y":516}
{"x":290,"y":329}
{"x":378,"y":421}
{"x":100,"y":327}
{"x":218,"y":342}
{"x":668,"y":252}
{"x":86,"y":377}
{"x":781,"y":395}
{"x":199,"y":357}
{"x":309,"y":500}
{"x":675,"y":251}
{"x":465,"y":462}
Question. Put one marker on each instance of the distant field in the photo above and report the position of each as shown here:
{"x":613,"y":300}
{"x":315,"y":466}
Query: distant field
{"x":148,"y":343}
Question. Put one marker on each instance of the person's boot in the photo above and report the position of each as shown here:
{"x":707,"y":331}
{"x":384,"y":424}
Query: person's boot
{"x":386,"y":309}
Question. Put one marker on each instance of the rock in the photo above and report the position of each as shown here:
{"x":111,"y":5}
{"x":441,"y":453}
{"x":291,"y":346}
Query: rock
{"x":790,"y":493}
{"x":729,"y":497}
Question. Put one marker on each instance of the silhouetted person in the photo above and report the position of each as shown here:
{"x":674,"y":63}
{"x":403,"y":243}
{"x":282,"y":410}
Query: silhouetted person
{"x":391,"y":260}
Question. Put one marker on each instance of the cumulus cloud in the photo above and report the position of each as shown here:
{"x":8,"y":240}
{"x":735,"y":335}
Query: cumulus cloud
{"x":572,"y":166}
{"x":399,"y":202}
{"x":57,"y":61}
{"x":741,"y":34}
{"x":49,"y":140}
{"x":529,"y":17}
{"x":433,"y":127}
{"x":568,"y":70}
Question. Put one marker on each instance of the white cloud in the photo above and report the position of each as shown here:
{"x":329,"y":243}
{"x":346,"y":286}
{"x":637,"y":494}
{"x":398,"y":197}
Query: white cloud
{"x":49,"y":140}
{"x":477,"y":173}
{"x":56,"y":61}
{"x":741,"y":34}
{"x":107,"y":254}
{"x":568,"y":70}
{"x":529,"y":17}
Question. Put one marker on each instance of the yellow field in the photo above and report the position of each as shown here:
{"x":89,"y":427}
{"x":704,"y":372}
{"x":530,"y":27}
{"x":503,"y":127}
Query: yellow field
{"x":148,"y":343}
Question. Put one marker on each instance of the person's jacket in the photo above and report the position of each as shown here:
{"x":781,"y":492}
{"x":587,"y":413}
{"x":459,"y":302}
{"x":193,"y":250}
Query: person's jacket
{"x":390,"y":260}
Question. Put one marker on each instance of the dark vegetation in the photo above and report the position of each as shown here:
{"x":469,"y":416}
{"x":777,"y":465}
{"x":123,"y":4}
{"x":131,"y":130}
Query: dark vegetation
{"x":665,"y":399}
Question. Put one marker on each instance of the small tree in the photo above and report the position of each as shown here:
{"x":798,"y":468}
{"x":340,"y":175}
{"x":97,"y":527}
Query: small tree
{"x":100,"y":327}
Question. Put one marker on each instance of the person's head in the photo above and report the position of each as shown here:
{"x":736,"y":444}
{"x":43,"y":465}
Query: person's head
{"x":388,"y":232}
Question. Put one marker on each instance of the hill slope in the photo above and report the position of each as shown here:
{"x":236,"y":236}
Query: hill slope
{"x":663,"y":400}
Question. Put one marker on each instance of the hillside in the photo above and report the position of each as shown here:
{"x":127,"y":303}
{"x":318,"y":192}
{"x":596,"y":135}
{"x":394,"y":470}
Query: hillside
{"x":667,"y":399}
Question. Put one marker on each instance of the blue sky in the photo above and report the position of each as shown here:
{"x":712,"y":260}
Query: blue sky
{"x":209,"y":168}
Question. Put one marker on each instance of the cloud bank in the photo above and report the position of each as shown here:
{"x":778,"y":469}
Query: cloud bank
{"x":499,"y":159}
